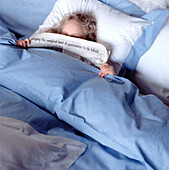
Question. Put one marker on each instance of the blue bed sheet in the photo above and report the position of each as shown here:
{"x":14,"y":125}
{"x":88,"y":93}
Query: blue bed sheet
{"x":96,"y":155}
{"x":123,"y":130}
{"x":24,"y":17}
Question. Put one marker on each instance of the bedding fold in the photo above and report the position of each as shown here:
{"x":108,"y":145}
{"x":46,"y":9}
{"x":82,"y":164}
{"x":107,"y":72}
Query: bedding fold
{"x":38,"y":150}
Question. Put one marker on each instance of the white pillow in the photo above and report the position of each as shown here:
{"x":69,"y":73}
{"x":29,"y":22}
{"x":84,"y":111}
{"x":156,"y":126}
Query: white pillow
{"x":152,"y":71}
{"x":149,"y":5}
{"x":116,"y":30}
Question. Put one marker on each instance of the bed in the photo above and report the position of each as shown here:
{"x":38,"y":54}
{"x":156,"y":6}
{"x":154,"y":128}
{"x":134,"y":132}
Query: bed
{"x":56,"y":112}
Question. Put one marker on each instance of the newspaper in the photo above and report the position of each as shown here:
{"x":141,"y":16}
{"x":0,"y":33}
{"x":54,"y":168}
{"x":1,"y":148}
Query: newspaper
{"x":86,"y":51}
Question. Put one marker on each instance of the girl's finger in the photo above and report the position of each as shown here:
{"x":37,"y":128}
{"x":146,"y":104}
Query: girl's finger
{"x":101,"y":72}
{"x":20,"y":43}
{"x":17,"y":43}
{"x":27,"y":40}
{"x":24,"y":44}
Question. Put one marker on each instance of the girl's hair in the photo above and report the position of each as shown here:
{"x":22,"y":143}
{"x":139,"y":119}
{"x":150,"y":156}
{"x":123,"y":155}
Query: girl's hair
{"x":87,"y":20}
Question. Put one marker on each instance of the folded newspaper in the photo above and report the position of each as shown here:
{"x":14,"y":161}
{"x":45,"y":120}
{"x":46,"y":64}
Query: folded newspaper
{"x":87,"y":51}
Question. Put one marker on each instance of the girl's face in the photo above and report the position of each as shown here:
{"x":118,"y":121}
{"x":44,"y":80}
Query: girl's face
{"x":73,"y":29}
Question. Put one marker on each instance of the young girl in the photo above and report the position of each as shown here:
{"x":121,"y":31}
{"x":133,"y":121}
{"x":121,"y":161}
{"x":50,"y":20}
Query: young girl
{"x":78,"y":25}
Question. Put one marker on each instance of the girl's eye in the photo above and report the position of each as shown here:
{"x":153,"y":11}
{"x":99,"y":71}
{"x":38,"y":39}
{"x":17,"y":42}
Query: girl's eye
{"x":64,"y":34}
{"x":76,"y":36}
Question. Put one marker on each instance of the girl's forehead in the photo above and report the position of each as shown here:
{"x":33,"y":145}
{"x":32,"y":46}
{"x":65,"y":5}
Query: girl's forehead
{"x":72,"y":22}
{"x":73,"y":25}
{"x":73,"y":28}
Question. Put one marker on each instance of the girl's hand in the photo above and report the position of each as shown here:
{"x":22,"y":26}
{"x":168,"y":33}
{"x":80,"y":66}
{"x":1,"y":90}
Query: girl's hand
{"x":106,"y":69}
{"x":23,"y":43}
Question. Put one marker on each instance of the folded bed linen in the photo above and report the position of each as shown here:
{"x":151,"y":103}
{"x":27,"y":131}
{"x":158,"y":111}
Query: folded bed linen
{"x":20,"y":140}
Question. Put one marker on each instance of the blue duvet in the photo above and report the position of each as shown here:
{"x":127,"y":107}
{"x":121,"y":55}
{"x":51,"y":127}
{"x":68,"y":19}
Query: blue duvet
{"x":109,"y":110}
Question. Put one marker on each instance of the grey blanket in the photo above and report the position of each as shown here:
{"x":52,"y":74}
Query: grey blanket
{"x":22,"y":147}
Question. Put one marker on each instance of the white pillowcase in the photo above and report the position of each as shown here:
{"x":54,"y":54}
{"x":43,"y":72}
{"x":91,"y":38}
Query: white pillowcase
{"x":152,"y":71}
{"x":116,"y":30}
{"x":149,"y":5}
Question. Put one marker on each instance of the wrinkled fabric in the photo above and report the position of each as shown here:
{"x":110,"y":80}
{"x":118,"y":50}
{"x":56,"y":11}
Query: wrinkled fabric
{"x":109,"y":110}
{"x":22,"y":147}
